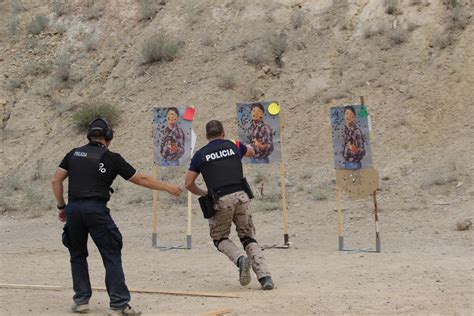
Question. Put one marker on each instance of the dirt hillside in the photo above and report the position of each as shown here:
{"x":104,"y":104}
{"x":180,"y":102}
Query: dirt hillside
{"x":412,"y":60}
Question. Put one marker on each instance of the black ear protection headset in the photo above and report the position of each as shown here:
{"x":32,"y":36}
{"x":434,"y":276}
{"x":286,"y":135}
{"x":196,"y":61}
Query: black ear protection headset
{"x":107,"y":132}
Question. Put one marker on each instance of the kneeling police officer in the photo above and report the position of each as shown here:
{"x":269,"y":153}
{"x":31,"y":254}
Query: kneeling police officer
{"x":91,"y":170}
{"x":221,"y":167}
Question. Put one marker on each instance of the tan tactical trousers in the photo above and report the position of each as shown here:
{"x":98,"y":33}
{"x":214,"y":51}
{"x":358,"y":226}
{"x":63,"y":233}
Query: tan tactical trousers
{"x":235,"y":208}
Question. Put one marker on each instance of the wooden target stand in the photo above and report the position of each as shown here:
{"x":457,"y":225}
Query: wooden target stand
{"x":357,"y":184}
{"x":154,"y":218}
{"x":154,"y":215}
{"x":284,"y":207}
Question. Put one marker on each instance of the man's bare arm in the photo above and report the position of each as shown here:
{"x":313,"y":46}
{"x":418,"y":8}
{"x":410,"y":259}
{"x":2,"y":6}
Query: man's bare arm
{"x":250,"y":151}
{"x":190,"y":183}
{"x":58,"y":191}
{"x":150,"y":183}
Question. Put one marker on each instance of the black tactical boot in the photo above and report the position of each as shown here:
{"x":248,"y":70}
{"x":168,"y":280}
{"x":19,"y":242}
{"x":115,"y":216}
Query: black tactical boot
{"x":244,"y":270}
{"x":267,"y":283}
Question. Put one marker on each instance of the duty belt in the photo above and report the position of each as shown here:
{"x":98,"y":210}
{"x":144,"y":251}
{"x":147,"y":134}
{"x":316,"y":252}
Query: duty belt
{"x":228,"y":189}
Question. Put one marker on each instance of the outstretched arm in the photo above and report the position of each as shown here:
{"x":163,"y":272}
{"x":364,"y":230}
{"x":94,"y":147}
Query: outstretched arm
{"x":190,"y":183}
{"x":143,"y":180}
{"x":250,"y":151}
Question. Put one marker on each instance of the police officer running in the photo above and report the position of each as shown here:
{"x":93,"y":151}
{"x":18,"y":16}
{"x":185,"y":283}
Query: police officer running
{"x":91,"y":170}
{"x":220,"y":164}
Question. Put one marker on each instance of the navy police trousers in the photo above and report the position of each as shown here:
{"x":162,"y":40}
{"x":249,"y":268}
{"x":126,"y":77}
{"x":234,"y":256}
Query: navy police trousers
{"x":92,"y":217}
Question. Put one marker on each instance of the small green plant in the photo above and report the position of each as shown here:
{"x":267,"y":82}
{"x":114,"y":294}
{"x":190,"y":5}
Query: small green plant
{"x":398,"y":36}
{"x":63,"y":66}
{"x":15,"y":83}
{"x":159,"y":47}
{"x":443,"y":40}
{"x":391,"y":7}
{"x":17,"y":6}
{"x":147,"y":9}
{"x":13,"y":25}
{"x":458,"y":19}
{"x":92,"y":110}
{"x":278,"y":44}
{"x":12,"y":183}
{"x":39,"y":172}
{"x":93,"y":11}
{"x":257,"y":55}
{"x":297,"y":19}
{"x":36,"y":68}
{"x":453,"y":4}
{"x":207,"y":40}
{"x":254,"y":91}
{"x":412,"y":26}
{"x":90,"y":44}
{"x":60,"y":7}
{"x":228,"y":81}
{"x":372,"y":30}
{"x":38,"y":24}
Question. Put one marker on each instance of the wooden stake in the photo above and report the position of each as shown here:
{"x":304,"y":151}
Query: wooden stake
{"x":340,"y":224}
{"x":190,"y":215}
{"x":286,"y":239}
{"x":154,"y":210}
{"x":220,"y":312}
{"x":376,"y":216}
{"x":133,"y":290}
{"x":283,"y":203}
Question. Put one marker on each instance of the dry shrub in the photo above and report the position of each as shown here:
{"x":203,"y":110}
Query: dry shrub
{"x":458,"y":19}
{"x":15,"y":83}
{"x":443,"y":40}
{"x":159,"y":47}
{"x":92,"y":110}
{"x":13,"y":25}
{"x":36,"y":68}
{"x":92,"y":11}
{"x":90,"y":44}
{"x":63,"y":67}
{"x":398,"y":36}
{"x":148,"y":9}
{"x":258,"y":54}
{"x":254,"y":92}
{"x":228,"y":81}
{"x":38,"y":24}
{"x":278,"y":44}
{"x":391,"y":7}
{"x":297,"y":19}
{"x":372,"y":30}
{"x":60,"y":7}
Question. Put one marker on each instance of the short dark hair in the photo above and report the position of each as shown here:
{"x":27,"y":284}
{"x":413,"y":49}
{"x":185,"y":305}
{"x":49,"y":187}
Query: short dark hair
{"x":214,"y":128}
{"x":350,"y":108}
{"x":257,"y":105}
{"x":174,"y":109}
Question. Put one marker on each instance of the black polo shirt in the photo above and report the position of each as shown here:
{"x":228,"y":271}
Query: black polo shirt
{"x":197,"y":159}
{"x":112,"y":164}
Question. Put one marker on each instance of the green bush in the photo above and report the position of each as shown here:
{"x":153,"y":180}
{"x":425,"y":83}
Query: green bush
{"x":38,"y":24}
{"x":227,"y":81}
{"x":159,"y":47}
{"x":147,"y":9}
{"x":92,"y":110}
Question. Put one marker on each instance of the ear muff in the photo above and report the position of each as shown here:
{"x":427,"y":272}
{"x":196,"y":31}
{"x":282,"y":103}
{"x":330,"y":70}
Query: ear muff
{"x":108,"y":132}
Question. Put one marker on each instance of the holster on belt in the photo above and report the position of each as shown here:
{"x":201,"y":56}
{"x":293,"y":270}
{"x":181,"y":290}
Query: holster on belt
{"x":207,"y":204}
{"x":247,"y":188}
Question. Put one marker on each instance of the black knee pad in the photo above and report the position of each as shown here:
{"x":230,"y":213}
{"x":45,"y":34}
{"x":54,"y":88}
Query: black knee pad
{"x":247,"y":240}
{"x":218,"y":241}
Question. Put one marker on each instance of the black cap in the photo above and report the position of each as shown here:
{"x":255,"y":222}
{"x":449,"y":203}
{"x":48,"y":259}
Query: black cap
{"x":98,"y":123}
